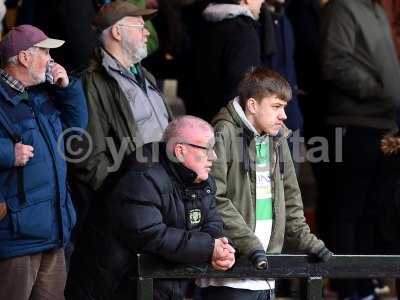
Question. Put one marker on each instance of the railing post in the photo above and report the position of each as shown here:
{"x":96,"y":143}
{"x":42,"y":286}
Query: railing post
{"x":314,"y":288}
{"x":144,"y":288}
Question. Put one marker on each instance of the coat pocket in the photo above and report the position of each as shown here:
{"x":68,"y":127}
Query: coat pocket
{"x":33,"y":221}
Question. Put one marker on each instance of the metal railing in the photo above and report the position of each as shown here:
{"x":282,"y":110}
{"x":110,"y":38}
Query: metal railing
{"x":279,"y":266}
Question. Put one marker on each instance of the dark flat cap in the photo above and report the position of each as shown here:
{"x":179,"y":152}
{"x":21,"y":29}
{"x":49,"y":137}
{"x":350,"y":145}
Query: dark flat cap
{"x":112,"y":12}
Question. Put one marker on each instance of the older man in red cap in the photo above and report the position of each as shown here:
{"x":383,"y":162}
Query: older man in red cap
{"x":36,"y":212}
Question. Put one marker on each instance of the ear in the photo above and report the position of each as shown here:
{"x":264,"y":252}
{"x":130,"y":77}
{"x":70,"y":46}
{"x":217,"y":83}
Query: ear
{"x":179,"y":152}
{"x":251,"y":105}
{"x":116,"y":32}
{"x":24,"y":58}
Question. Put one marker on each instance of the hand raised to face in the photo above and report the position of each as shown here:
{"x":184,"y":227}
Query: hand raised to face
{"x":60,"y":75}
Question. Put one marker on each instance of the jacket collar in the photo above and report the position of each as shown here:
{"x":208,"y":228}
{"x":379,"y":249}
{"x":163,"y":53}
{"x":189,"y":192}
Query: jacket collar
{"x":232,"y":116}
{"x":246,"y":122}
{"x":111,"y":64}
{"x":179,"y":171}
{"x":183,"y":174}
{"x":11,"y":95}
{"x":12,"y":81}
{"x":11,"y":88}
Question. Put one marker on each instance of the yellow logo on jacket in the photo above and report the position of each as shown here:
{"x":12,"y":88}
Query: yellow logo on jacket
{"x":195,"y":216}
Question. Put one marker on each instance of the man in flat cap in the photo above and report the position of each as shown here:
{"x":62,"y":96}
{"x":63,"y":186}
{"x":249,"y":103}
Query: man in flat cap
{"x":36,"y":212}
{"x":126,"y":109}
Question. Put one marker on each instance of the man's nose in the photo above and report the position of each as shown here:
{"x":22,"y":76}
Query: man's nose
{"x":146,"y":32}
{"x":283,"y":115}
{"x":213,"y":156}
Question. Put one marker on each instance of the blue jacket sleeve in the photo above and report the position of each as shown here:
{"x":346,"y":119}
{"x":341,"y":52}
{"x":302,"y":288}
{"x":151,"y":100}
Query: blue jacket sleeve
{"x":71,"y":102}
{"x":7,"y":158}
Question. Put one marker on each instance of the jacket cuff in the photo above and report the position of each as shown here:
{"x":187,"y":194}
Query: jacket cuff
{"x":259,"y":259}
{"x":211,"y":249}
{"x":324,"y":254}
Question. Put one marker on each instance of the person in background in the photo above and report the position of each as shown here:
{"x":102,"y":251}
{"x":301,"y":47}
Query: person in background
{"x":277,"y":53}
{"x":229,"y":45}
{"x":360,"y":73}
{"x":392,"y":9}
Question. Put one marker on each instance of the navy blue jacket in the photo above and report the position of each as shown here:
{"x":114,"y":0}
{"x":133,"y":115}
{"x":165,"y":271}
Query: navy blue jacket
{"x":166,"y":214}
{"x":40,"y":212}
{"x":155,"y":208}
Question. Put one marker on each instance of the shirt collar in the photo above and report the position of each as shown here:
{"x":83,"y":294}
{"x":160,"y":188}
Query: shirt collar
{"x":182,"y":173}
{"x":11,"y":81}
{"x":110,"y":62}
{"x":260,"y":138}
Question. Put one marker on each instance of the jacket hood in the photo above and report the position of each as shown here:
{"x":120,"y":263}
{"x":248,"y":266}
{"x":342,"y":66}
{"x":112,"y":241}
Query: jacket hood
{"x":220,"y":12}
{"x":229,"y":114}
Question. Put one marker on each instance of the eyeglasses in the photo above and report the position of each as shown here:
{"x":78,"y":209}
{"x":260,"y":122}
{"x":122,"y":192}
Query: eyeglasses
{"x":210,"y":150}
{"x":138,"y":26}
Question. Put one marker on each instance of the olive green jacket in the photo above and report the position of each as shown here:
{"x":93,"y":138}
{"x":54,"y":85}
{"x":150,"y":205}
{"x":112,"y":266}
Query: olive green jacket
{"x":112,"y":127}
{"x":234,"y":172}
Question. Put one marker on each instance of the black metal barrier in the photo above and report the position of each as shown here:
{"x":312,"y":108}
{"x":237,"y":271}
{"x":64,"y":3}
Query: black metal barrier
{"x":279,"y":266}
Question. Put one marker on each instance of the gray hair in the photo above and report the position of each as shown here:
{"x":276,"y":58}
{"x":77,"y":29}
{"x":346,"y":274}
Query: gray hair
{"x":177,"y":130}
{"x":13,"y":60}
{"x":104,"y":35}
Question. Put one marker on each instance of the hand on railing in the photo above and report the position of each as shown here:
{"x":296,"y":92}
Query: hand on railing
{"x":223,"y":257}
{"x":259,"y":259}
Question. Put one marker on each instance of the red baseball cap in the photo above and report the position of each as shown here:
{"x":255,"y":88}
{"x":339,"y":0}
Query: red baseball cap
{"x":23,"y":37}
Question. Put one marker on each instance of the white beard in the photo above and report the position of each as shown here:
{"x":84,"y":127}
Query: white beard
{"x":140,"y":53}
{"x":37,"y":78}
{"x":134,"y":52}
